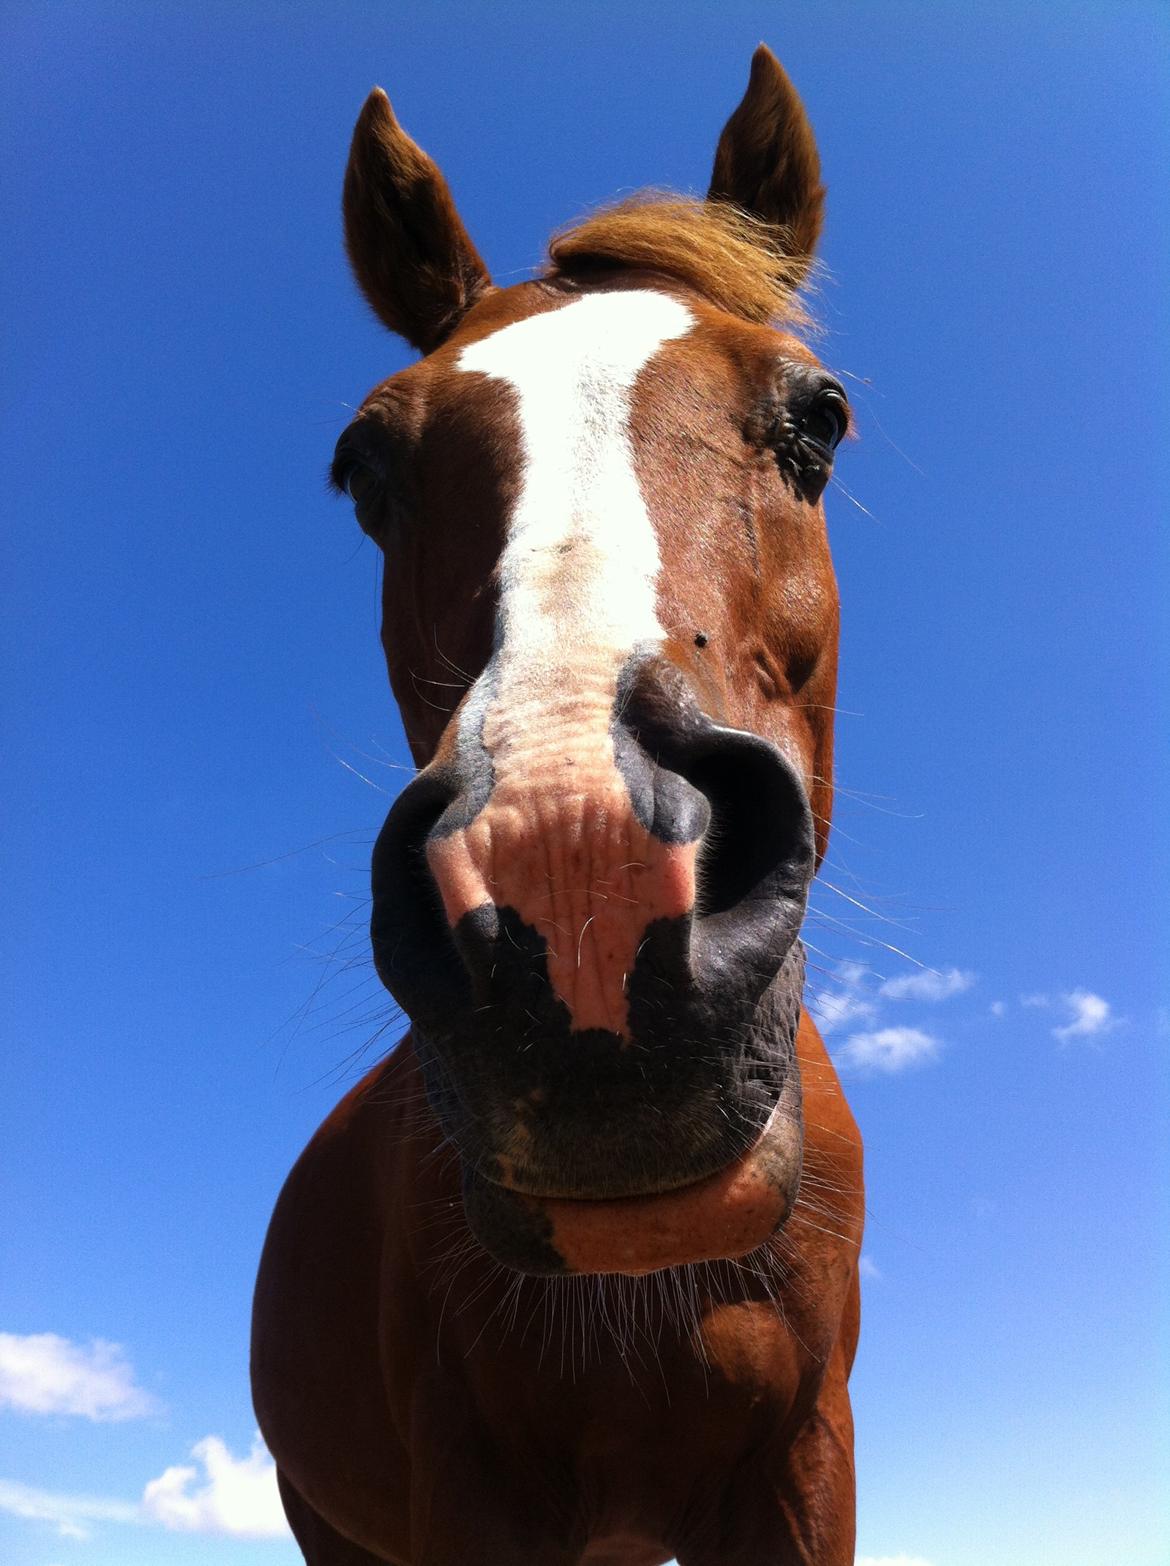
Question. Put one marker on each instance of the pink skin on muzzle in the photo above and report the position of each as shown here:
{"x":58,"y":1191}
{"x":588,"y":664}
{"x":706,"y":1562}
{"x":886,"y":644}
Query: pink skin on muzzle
{"x":582,"y":871}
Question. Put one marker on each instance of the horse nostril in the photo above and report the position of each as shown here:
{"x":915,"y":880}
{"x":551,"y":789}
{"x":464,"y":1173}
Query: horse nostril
{"x":741,"y":799}
{"x":756,"y":859}
{"x":759,"y":842}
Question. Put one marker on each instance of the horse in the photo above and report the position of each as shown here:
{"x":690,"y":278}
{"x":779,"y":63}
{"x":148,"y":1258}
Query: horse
{"x":571,"y":1276}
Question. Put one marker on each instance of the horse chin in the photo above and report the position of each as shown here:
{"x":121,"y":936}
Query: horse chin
{"x":723,"y":1216}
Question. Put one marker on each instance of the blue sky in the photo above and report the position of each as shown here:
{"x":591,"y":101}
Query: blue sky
{"x":192,"y":686}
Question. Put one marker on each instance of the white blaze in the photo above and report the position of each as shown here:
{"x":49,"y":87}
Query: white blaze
{"x":578,"y":572}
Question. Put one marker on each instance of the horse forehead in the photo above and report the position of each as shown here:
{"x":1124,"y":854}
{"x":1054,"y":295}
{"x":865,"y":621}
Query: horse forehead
{"x":588,"y":351}
{"x":579,"y":568}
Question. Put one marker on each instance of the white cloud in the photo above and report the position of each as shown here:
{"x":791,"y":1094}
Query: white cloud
{"x":224,"y":1495}
{"x":927,"y":985}
{"x":70,"y":1514}
{"x":236,"y":1496}
{"x":1035,"y":1000}
{"x":887,"y":1049}
{"x":997,"y":1008}
{"x":852,"y":974}
{"x":857,"y":996}
{"x":867,"y":1267}
{"x":47,"y":1374}
{"x":1089,"y":1013}
{"x":839,"y":1008}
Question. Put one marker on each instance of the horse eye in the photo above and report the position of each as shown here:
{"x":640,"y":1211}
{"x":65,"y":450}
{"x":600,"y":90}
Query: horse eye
{"x":826,"y":421}
{"x":360,"y":483}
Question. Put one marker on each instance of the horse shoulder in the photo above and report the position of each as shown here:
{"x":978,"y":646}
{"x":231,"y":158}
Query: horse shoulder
{"x":334,"y":1414}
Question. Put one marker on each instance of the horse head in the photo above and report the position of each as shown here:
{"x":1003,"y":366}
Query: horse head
{"x":610,"y":622}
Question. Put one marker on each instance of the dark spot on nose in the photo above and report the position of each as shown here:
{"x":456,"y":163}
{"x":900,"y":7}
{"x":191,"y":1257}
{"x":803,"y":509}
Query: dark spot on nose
{"x":700,"y":638}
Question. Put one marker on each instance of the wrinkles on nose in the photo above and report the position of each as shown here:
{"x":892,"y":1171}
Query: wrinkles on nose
{"x":581,"y":871}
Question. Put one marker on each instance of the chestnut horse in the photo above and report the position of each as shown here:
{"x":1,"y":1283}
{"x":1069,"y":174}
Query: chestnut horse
{"x":572,"y":1275}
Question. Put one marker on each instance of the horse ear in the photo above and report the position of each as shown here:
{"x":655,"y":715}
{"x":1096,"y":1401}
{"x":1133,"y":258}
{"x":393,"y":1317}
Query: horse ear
{"x":767,"y":161}
{"x":409,"y":251}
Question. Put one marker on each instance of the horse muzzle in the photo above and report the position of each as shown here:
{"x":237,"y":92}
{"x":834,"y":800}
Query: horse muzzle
{"x":596,"y":942}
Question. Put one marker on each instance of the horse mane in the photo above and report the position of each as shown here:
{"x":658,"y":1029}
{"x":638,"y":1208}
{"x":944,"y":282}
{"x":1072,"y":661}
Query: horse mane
{"x":737,"y":261}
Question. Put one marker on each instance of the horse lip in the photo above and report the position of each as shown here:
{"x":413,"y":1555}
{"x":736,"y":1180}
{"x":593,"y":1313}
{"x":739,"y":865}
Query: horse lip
{"x":515,"y":1181}
{"x":728,"y":1213}
{"x":651,"y":1193}
{"x":506,"y":1174}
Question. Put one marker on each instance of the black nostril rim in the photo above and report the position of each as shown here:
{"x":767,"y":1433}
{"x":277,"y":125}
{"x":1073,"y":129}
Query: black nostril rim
{"x":748,"y":810}
{"x":413,"y":948}
{"x":753,"y":816}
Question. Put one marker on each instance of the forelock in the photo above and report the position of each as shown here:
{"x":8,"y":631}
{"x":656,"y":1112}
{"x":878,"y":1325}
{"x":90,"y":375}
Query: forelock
{"x":740,"y":263}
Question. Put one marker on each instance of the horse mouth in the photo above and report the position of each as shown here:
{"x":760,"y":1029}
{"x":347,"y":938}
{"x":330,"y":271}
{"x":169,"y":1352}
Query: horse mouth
{"x":721,"y":1216}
